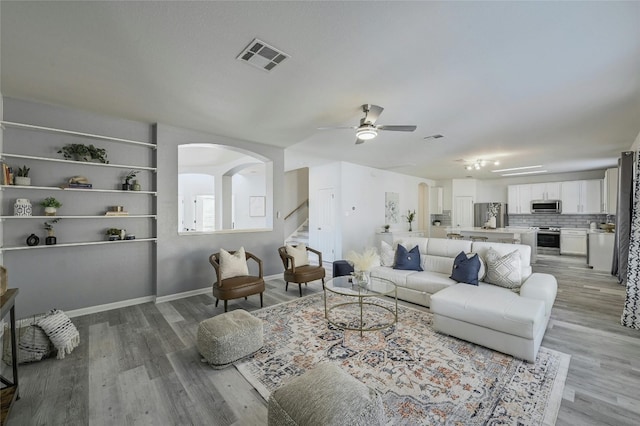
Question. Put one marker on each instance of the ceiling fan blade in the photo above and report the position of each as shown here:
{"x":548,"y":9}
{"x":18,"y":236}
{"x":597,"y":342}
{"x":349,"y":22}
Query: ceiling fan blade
{"x":372,"y":112}
{"x":337,"y":127}
{"x":359,"y":141}
{"x":398,"y":128}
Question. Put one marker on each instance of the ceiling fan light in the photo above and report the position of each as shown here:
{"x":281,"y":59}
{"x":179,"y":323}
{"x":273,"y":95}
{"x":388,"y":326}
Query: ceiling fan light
{"x":366,"y":133}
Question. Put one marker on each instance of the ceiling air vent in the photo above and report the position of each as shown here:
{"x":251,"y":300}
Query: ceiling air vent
{"x":261,"y":55}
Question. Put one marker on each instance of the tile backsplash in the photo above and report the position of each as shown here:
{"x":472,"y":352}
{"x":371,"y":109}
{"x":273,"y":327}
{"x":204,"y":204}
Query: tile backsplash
{"x":444,"y":218}
{"x":560,"y":220}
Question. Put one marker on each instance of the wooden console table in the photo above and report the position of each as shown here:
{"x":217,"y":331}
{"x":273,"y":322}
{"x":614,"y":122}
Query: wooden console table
{"x":10,"y":389}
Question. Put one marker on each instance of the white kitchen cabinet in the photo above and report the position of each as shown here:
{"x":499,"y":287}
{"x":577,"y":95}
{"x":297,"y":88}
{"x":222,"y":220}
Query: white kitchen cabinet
{"x":582,"y":197}
{"x":545,"y":191}
{"x":519,"y":199}
{"x":610,"y":191}
{"x":573,"y":241}
{"x":436,"y":199}
{"x":600,"y":253}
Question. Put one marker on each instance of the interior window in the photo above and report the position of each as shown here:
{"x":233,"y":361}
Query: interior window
{"x":222,"y":188}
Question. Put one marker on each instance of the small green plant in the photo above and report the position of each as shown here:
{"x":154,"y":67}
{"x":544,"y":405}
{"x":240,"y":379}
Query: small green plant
{"x":411,"y":215}
{"x":130,"y":175}
{"x":82,"y":152}
{"x":113,"y":231}
{"x":49,"y":225}
{"x":386,"y":228}
{"x":23,"y":171}
{"x":51,"y":202}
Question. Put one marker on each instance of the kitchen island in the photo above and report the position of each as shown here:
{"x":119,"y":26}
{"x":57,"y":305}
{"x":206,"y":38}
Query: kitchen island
{"x":525,"y":235}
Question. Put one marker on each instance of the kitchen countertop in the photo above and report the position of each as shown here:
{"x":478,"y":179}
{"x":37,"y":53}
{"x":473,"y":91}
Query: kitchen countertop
{"x":507,"y":230}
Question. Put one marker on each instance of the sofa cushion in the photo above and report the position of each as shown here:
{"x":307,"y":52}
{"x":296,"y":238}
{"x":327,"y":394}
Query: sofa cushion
{"x":502,"y":249}
{"x":491,"y":307}
{"x":411,"y":242}
{"x":428,"y":282}
{"x":439,"y":264}
{"x":398,"y":277}
{"x":504,"y":271}
{"x":466,"y":268}
{"x":447,"y":248}
{"x":407,"y":260}
{"x":387,"y":254}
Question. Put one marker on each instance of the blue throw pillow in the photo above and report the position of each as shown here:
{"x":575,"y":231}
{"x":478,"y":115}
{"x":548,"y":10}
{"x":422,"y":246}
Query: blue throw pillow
{"x":465,"y":269}
{"x":407,"y":260}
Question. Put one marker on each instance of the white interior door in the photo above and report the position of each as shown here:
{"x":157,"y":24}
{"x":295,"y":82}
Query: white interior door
{"x":463,"y":211}
{"x":326,"y":223}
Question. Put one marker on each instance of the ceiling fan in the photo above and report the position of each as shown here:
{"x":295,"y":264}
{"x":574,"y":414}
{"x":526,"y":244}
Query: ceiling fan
{"x":367,"y":129}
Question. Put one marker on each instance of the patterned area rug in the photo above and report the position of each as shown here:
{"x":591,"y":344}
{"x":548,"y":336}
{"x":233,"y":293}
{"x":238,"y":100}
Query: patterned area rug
{"x":424,"y":377}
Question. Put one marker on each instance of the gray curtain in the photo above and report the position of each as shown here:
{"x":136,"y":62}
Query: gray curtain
{"x":631,"y":313}
{"x":623,"y":216}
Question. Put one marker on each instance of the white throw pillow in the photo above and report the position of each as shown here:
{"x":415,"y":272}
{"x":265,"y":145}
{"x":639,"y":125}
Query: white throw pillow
{"x":233,"y":265}
{"x":483,"y":269}
{"x":504,"y":271}
{"x":61,"y":331}
{"x":299,"y":253}
{"x":387,"y":254}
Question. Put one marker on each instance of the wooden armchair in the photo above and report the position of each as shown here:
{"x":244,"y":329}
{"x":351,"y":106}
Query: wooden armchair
{"x":301,"y":274}
{"x":236,"y":287}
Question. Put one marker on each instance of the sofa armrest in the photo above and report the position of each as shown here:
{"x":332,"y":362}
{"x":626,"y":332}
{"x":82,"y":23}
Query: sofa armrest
{"x":541,"y":287}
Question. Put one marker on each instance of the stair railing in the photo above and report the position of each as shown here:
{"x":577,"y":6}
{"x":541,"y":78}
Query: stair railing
{"x":305,"y":203}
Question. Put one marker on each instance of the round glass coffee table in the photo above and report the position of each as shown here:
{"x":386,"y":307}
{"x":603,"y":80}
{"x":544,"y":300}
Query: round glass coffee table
{"x":367,"y":313}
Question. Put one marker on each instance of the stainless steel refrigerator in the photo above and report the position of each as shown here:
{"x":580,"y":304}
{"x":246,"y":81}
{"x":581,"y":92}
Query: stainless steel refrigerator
{"x":481,"y":214}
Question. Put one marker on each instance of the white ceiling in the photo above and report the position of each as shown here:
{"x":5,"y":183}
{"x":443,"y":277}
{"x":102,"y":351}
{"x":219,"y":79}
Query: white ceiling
{"x":551,"y":83}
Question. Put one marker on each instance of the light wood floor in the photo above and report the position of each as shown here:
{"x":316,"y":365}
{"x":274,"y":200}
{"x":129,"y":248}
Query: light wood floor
{"x":139,"y":365}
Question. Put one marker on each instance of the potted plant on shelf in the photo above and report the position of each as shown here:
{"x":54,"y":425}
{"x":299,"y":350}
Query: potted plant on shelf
{"x":22,"y":176}
{"x":82,"y":152}
{"x":126,"y":186}
{"x":386,"y":228}
{"x":51,"y":206}
{"x":113,"y":234}
{"x":51,"y":238}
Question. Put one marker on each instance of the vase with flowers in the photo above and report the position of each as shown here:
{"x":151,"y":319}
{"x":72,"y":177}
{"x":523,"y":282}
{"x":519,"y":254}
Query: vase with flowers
{"x":492,"y":213}
{"x":362,"y":264}
{"x":410,"y":216}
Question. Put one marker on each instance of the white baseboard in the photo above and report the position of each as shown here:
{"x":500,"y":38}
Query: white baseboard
{"x":145,"y":299}
{"x":109,"y":306}
{"x":176,"y":296}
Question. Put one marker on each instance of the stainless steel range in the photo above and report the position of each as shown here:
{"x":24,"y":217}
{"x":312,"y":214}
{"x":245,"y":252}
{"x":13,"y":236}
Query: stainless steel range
{"x":548,"y":238}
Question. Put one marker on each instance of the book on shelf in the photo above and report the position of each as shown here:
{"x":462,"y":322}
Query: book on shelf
{"x":6,"y":174}
{"x":116,"y":214}
{"x":77,"y":185}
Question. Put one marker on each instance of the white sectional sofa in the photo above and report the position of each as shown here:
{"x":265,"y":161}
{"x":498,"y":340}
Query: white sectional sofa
{"x":489,"y":315}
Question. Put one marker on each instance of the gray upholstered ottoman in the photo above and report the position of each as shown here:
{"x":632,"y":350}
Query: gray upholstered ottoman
{"x":325,"y":396}
{"x":229,"y":337}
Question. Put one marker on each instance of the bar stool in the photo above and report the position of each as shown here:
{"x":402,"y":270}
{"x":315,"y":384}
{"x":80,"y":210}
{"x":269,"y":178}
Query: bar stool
{"x":454,"y":236}
{"x":510,"y":241}
{"x":479,"y":239}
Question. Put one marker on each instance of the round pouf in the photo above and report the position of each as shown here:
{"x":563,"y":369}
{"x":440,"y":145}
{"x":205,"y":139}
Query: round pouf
{"x":228,"y":337}
{"x":325,"y":395}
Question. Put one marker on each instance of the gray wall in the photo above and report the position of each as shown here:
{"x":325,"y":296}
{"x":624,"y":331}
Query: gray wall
{"x":84,"y":276}
{"x":183,"y":260}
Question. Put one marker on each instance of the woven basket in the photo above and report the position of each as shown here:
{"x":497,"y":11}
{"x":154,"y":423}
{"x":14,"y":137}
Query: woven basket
{"x":3,"y":280}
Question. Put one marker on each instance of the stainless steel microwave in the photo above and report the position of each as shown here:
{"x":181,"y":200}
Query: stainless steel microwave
{"x":546,"y":206}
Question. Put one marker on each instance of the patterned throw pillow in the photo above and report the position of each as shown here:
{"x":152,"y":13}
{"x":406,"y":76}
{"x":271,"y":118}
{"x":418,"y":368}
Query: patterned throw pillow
{"x":299,"y":253}
{"x":465,"y":268}
{"x":387,"y":254}
{"x":61,"y":331}
{"x":233,"y":265}
{"x":407,"y":260}
{"x":504,"y":271}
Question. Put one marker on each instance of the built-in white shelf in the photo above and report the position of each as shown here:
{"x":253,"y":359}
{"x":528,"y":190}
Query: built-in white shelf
{"x":153,"y":216}
{"x":71,"y":132}
{"x":76,"y":163}
{"x":57,"y":188}
{"x":88,"y":243}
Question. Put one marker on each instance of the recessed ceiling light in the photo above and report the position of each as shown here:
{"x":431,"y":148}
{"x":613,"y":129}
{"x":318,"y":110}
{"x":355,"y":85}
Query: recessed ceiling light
{"x":515,"y":168}
{"x":525,"y":173}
